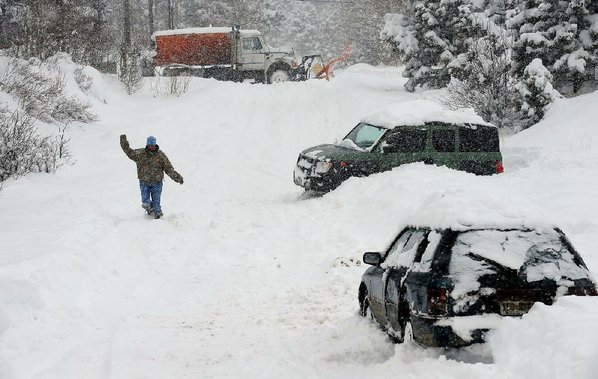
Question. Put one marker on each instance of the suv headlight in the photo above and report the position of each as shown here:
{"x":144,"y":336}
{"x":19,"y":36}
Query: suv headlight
{"x":323,"y":167}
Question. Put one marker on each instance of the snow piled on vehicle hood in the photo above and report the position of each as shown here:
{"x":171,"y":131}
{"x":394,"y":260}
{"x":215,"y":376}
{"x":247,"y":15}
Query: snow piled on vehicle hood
{"x":473,"y":207}
{"x":438,"y":197}
{"x":419,"y":112}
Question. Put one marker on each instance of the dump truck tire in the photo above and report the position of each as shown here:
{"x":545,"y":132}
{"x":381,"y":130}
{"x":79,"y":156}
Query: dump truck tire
{"x":279,"y":76}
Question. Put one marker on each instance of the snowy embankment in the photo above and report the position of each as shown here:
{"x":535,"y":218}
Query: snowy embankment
{"x":242,"y":278}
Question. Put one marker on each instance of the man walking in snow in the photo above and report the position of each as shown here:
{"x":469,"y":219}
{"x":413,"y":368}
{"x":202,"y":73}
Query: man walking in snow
{"x":152,"y":163}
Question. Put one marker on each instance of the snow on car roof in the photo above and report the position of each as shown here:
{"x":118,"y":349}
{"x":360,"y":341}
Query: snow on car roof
{"x":203,"y":30}
{"x":419,"y":112}
{"x":467,"y":209}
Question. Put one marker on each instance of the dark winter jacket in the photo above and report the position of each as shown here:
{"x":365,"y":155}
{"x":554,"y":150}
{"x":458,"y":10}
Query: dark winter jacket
{"x":151,"y":165}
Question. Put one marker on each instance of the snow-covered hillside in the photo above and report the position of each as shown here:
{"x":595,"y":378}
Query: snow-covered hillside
{"x":243,"y":277}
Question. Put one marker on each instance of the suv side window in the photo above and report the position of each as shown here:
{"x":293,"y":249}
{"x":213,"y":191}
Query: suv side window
{"x":481,"y":139}
{"x":406,"y":141}
{"x":443,"y":140}
{"x":424,"y":263}
{"x":404,"y":252}
{"x":399,"y":243}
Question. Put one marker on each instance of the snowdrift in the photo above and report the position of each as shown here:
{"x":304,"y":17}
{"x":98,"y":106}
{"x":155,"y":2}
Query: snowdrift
{"x":244,"y":277}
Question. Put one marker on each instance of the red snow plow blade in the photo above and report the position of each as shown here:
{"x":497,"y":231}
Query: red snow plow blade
{"x":327,"y":71}
{"x":312,"y":66}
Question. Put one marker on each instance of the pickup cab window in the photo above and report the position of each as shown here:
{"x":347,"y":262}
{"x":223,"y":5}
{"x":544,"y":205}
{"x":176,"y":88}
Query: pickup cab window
{"x":252,"y":43}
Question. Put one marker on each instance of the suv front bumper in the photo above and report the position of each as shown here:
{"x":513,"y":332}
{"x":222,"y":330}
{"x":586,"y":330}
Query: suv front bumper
{"x":302,"y":178}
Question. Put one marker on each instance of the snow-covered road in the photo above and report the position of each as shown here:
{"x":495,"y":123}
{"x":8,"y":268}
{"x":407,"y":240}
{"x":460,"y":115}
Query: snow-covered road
{"x":243,"y":278}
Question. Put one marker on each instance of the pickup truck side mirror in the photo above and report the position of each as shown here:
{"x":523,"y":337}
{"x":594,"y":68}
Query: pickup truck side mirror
{"x":373,"y":259}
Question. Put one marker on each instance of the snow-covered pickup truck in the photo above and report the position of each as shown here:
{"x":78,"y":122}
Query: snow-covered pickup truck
{"x":227,"y":54}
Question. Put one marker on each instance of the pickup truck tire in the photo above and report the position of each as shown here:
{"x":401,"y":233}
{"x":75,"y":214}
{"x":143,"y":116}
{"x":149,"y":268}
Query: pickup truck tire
{"x":279,"y":76}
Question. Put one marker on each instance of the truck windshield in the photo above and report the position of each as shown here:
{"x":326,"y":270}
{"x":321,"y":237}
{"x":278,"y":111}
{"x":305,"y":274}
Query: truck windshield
{"x":365,"y":135}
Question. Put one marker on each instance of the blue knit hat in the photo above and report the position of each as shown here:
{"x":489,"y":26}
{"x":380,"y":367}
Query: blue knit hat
{"x":151,"y":140}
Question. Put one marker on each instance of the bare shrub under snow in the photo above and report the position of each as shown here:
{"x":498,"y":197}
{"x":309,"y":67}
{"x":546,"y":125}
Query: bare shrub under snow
{"x":482,"y":80}
{"x":130,"y":70}
{"x":39,"y":88}
{"x":23,"y":150}
{"x":171,"y":85}
{"x":83,"y":79}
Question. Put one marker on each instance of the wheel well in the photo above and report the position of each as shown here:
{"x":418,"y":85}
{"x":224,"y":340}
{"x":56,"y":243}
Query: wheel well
{"x":363,"y":290}
{"x":278,"y":66}
{"x":403,"y":304}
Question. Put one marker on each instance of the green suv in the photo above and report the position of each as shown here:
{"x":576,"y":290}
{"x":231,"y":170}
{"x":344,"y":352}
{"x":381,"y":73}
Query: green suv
{"x":371,"y":148}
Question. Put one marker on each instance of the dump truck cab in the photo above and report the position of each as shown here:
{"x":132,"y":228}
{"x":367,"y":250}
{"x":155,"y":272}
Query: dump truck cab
{"x":252,"y":55}
{"x":251,"y":51}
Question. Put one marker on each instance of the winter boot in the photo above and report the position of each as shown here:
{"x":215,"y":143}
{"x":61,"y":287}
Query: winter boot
{"x":147,"y":207}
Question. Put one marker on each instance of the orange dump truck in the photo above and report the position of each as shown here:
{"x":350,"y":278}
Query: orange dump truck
{"x":225,"y":54}
{"x":193,"y":48}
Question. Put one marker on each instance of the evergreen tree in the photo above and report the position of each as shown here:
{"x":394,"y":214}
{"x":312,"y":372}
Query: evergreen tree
{"x":310,"y":28}
{"x":288,"y":26}
{"x":429,"y":39}
{"x":129,"y":70}
{"x":101,"y":36}
{"x":250,"y":14}
{"x":12,"y":31}
{"x":535,"y":92}
{"x":555,"y":32}
{"x":360,"y":27}
{"x":206,"y":13}
{"x":46,"y":27}
{"x":150,"y":17}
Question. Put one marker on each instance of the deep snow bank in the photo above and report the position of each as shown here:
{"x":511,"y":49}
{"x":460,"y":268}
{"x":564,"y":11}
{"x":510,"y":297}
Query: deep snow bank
{"x":550,"y":342}
{"x":243,"y":278}
{"x":82,"y":83}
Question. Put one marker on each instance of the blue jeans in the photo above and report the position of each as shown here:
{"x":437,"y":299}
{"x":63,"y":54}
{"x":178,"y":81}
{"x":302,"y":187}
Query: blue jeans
{"x":153,"y":191}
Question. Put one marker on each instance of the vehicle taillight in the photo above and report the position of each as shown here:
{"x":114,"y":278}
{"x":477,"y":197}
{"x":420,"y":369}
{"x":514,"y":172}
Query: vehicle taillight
{"x":437,"y":301}
{"x":499,"y":167}
{"x":582,"y":291}
{"x":575,"y":291}
{"x":343,"y":164}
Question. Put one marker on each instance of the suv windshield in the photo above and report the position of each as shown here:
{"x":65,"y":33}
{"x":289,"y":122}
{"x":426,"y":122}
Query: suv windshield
{"x":364,"y":135}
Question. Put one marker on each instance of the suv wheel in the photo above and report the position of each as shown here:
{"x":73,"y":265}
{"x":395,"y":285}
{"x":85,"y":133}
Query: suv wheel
{"x":367,"y":310}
